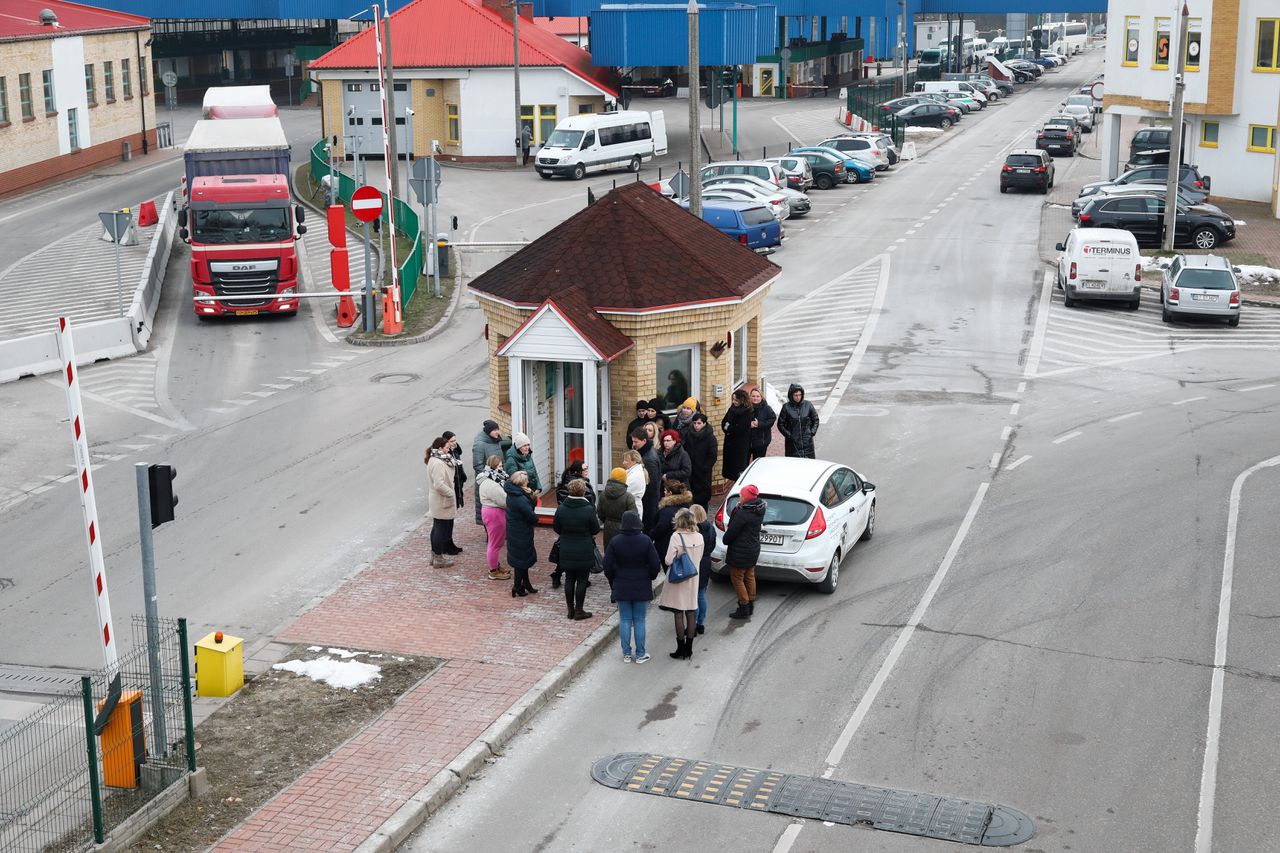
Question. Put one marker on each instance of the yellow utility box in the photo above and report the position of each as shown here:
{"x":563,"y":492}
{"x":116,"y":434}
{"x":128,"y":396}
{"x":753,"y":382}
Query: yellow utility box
{"x":219,"y":664}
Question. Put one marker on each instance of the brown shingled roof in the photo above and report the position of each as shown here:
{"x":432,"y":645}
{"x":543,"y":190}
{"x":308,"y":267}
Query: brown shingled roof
{"x":633,"y":250}
{"x":597,"y":332}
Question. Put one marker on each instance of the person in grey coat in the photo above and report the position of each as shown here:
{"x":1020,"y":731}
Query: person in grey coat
{"x":798,"y":423}
{"x":488,"y":442}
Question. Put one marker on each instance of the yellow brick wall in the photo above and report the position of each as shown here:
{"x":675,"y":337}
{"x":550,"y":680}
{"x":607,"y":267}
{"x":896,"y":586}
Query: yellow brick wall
{"x":576,"y":101}
{"x":1221,"y":57}
{"x":430,"y":119}
{"x":123,"y":117}
{"x":452,"y":95}
{"x":332,"y":121}
{"x":26,"y":142}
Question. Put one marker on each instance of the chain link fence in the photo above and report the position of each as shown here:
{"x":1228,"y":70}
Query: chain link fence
{"x":65,"y":787}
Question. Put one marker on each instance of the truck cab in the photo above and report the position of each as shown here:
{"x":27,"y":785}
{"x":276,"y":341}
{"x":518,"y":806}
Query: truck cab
{"x":242,"y":229}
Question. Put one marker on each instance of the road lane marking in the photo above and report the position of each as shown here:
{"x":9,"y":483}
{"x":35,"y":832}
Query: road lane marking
{"x":1037,"y":337}
{"x":1013,"y":410}
{"x":1188,"y":400}
{"x":1065,"y":438}
{"x":1123,"y":417}
{"x":995,"y":460}
{"x":1255,"y":388}
{"x":1213,"y":733}
{"x":1015,"y":463}
{"x":1006,"y":432}
{"x":886,"y":668}
{"x":788,"y":837}
{"x":864,"y":340}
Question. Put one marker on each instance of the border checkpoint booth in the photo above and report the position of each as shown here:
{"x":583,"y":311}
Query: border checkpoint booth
{"x":631,"y":298}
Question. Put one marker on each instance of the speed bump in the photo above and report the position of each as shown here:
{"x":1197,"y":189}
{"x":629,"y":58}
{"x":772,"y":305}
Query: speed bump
{"x":811,"y":797}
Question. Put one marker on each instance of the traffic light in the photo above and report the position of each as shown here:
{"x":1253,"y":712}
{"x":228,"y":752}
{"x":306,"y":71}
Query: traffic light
{"x":160,"y":484}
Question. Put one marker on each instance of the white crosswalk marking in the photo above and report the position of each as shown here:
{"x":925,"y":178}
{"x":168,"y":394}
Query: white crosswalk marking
{"x":131,"y":382}
{"x":811,"y":341}
{"x":1096,"y":335}
{"x":315,"y":243}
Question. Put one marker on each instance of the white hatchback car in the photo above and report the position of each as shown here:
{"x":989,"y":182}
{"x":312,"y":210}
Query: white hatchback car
{"x":815,"y":512}
{"x":1200,"y":285}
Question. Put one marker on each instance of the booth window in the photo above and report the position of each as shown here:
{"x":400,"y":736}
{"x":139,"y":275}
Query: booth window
{"x":677,"y":375}
{"x":740,"y":352}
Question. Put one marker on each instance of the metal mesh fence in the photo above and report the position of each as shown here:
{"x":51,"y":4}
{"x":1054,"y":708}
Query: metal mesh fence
{"x":63,"y":787}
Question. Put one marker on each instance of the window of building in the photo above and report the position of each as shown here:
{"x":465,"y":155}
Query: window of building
{"x":4,"y":100}
{"x":740,"y":357}
{"x":527,"y":120}
{"x":375,"y":87}
{"x":1160,"y":58}
{"x":109,"y":81}
{"x":1131,"y":40}
{"x":547,"y":117}
{"x":50,"y":103}
{"x":144,"y":72}
{"x":677,"y":375}
{"x":1265,"y":58}
{"x":376,"y":121}
{"x":1191,"y":53}
{"x":455,"y":123}
{"x":354,"y":87}
{"x":1262,"y":138}
{"x":24,"y":97}
{"x":1209,"y":134}
{"x":126,"y":83}
{"x":73,"y":127}
{"x":586,"y":108}
{"x":91,"y":93}
{"x":401,"y":87}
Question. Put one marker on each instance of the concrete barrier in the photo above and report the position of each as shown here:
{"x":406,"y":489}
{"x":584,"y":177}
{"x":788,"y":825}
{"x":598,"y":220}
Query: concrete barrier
{"x":33,"y":355}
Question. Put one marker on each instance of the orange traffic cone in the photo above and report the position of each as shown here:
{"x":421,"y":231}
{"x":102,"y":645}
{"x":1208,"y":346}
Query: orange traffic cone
{"x":147,"y":214}
{"x":342,"y":283}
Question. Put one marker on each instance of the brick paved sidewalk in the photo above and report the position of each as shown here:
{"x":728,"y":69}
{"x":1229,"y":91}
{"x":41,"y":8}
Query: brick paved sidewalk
{"x":497,"y":647}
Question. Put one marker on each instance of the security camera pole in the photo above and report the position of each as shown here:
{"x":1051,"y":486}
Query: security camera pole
{"x":695,"y":123}
{"x":515,"y":67}
{"x":1175,"y":134}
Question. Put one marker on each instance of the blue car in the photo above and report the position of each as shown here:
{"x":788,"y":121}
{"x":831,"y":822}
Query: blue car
{"x":749,"y":222}
{"x":855,"y":171}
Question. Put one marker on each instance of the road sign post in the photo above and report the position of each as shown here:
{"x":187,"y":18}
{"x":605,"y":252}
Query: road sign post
{"x":362,"y":201}
{"x":160,"y":739}
{"x":425,"y":184}
{"x":117,"y":223}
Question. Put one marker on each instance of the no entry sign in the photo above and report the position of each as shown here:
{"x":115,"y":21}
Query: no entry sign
{"x":366,"y":204}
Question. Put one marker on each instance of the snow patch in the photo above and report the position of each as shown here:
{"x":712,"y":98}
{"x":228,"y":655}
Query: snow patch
{"x":344,"y":654}
{"x":345,"y":675}
{"x":924,"y":130}
{"x":1250,"y":274}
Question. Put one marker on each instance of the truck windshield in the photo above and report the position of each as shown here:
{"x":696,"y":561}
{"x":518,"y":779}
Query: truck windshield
{"x":564,"y":139}
{"x":254,"y":225}
{"x":931,"y":57}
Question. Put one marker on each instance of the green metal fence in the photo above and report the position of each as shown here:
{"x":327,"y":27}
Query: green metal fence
{"x":64,"y":788}
{"x":406,"y":220}
{"x":865,"y":99}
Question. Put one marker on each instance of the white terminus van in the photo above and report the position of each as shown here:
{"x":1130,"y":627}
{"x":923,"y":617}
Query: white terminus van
{"x":959,"y":87}
{"x":593,"y":142}
{"x":1100,"y":263}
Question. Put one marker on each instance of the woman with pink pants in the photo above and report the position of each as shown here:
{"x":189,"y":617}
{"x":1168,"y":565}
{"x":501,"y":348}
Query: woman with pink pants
{"x":493,"y":512}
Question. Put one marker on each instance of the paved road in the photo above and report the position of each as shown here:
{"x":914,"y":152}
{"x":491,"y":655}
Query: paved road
{"x":1034,"y":622}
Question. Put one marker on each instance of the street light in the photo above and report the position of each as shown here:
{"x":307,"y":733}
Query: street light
{"x":1175,"y":134}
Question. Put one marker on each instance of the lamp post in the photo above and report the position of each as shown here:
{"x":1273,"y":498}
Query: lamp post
{"x":1175,"y":134}
{"x":695,"y":122}
{"x":515,"y":53}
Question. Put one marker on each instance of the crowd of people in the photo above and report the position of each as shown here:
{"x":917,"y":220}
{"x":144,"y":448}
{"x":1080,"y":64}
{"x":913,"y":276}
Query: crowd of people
{"x":651,"y":516}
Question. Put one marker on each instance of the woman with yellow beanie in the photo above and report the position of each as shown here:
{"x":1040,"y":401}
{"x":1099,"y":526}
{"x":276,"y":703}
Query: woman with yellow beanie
{"x":613,"y":502}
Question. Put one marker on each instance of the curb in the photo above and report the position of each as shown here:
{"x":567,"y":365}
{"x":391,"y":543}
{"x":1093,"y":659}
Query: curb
{"x":435,"y":794}
{"x":440,"y":325}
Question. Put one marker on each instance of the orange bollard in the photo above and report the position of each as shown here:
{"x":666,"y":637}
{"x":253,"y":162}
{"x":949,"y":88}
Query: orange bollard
{"x":392,"y":321}
{"x":147,"y":214}
{"x":123,"y":742}
{"x":341,"y":271}
{"x":337,"y":222}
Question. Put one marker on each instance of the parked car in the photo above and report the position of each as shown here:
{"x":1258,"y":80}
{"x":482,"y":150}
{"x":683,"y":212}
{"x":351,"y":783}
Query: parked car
{"x":855,"y":171}
{"x":1023,"y":65}
{"x":1189,"y":177}
{"x":1100,"y":263}
{"x":1056,"y":139}
{"x":654,"y":87}
{"x":1202,"y":226}
{"x":762,"y":169}
{"x":750,"y":223}
{"x":1027,"y":168}
{"x":1151,"y":139}
{"x":882,"y":140}
{"x":828,"y":169}
{"x":959,"y":100}
{"x":859,"y":148}
{"x":797,"y":201}
{"x":929,"y":115}
{"x":1200,"y":286}
{"x":1185,"y":198}
{"x":815,"y":512}
{"x":1085,"y":101}
{"x":1082,"y":114}
{"x":774,"y":200}
{"x":1154,"y":157}
{"x":797,"y":171}
{"x":1066,"y":121}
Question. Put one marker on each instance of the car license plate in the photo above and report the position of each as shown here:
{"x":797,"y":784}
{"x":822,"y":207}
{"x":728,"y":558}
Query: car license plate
{"x":246,"y":312}
{"x":1024,"y":171}
{"x":770,"y":538}
{"x":1093,"y":284}
{"x":1204,"y":297}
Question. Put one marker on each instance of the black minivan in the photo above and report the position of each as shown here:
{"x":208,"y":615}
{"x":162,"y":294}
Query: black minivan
{"x":1151,"y":139}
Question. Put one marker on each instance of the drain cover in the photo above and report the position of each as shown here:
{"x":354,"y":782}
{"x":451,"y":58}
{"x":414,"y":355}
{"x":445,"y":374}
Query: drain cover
{"x":909,"y":812}
{"x":466,"y":396}
{"x":395,"y":378}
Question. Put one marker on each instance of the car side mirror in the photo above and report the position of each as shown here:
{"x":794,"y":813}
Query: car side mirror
{"x":868,"y":487}
{"x":1236,"y":270}
{"x":1061,"y":247}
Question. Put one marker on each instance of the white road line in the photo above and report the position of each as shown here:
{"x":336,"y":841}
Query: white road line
{"x":918,"y":225}
{"x":1188,"y":400}
{"x":882,"y":676}
{"x":1022,"y":386}
{"x":240,"y":402}
{"x":1013,"y":410}
{"x":1015,"y":463}
{"x":891,"y":248}
{"x":1209,"y":772}
{"x":901,"y":240}
{"x":261,"y":394}
{"x":1037,"y":337}
{"x":995,"y":460}
{"x":864,"y":340}
{"x":912,"y":231}
{"x":1005,"y":433}
{"x":788,"y":837}
{"x":1123,"y":417}
{"x":1255,"y":388}
{"x":1062,"y":439}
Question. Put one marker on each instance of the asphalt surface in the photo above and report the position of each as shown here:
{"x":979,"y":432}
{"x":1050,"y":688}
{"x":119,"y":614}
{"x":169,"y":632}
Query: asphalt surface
{"x":1063,"y":660}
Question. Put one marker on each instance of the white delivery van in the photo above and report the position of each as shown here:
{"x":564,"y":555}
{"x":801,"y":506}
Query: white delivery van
{"x":959,"y":87}
{"x":1100,"y":263}
{"x":593,"y":142}
{"x":981,"y":49}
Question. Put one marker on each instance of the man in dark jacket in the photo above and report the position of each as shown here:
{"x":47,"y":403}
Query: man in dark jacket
{"x":798,"y":423}
{"x":653,"y":467}
{"x":742,"y":548}
{"x":701,"y":445}
{"x":675,"y":461}
{"x":488,"y":442}
{"x":642,"y":416}
{"x":631,"y":564}
{"x":762,"y":420}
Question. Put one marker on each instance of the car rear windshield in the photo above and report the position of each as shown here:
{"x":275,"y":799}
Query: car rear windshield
{"x":1057,"y":130}
{"x":780,"y":510}
{"x":1023,"y":160}
{"x":757,"y":216}
{"x":1207,"y":280}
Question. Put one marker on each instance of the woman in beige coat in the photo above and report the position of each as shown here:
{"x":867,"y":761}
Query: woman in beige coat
{"x":442,"y":500}
{"x":682,"y":598}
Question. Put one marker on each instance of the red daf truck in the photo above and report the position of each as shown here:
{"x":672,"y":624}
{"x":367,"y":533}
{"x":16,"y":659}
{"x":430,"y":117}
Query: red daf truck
{"x":239,"y":218}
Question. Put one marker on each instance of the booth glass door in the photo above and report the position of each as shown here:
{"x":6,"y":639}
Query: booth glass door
{"x":571,"y":420}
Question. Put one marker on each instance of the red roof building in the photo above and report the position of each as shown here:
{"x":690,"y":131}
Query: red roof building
{"x":460,"y":53}
{"x":20,"y":19}
{"x":573,"y":30}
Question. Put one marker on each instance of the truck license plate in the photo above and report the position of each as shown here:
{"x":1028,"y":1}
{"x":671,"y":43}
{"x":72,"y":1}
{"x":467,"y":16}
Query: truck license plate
{"x":246,"y":312}
{"x":770,"y":538}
